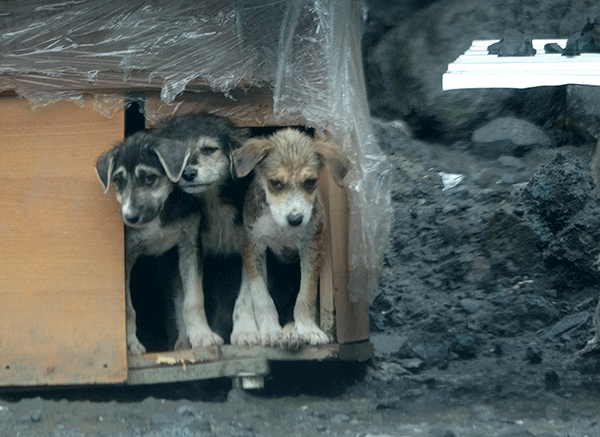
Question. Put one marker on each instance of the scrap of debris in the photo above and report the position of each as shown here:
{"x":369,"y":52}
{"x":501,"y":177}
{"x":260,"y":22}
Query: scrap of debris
{"x":513,"y":43}
{"x":586,"y":41}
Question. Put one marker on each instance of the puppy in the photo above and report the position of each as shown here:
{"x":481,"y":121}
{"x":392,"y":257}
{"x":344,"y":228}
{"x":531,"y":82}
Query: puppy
{"x":157,"y":217}
{"x":207,"y":175}
{"x":283,"y":213}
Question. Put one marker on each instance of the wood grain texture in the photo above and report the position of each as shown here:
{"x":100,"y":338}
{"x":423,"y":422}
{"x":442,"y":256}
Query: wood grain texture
{"x":351,"y":319}
{"x":62,"y":312}
{"x":252,"y":107}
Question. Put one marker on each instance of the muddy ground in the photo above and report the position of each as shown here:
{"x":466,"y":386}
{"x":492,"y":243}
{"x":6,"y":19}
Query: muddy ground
{"x":487,"y":295}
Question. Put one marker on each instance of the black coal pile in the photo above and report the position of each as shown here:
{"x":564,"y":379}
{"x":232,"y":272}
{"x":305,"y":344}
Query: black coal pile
{"x":490,"y":285}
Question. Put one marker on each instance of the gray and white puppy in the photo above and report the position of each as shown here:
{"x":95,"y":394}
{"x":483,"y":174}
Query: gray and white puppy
{"x":208,"y":176}
{"x":144,"y":170}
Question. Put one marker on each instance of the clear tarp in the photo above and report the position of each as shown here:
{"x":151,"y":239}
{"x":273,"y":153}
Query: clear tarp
{"x":307,"y":51}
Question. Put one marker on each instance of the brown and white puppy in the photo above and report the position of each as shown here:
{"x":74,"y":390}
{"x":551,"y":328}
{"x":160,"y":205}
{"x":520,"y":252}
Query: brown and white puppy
{"x":208,"y":176}
{"x":283,"y":212}
{"x":144,"y":170}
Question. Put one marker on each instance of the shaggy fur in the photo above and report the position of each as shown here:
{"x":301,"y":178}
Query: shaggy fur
{"x":282,"y":213}
{"x":144,"y":170}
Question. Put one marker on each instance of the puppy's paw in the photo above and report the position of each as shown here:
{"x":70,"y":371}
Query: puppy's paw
{"x":134,"y":347}
{"x":182,"y":343}
{"x":272,"y":337}
{"x":309,"y":333}
{"x":245,"y":332}
{"x":245,"y":338}
{"x":291,"y":340}
{"x":204,"y":338}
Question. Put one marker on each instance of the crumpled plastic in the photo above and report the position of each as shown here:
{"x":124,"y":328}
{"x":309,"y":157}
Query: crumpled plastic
{"x":307,"y":51}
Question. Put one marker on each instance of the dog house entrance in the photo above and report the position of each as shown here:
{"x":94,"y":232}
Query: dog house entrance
{"x":150,"y":290}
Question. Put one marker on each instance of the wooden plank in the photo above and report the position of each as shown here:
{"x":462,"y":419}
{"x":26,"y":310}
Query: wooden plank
{"x":182,"y":357}
{"x":326,"y":304}
{"x":62,"y":317}
{"x":217,"y":369}
{"x":324,"y":352}
{"x":251,"y":107}
{"x":228,"y":353}
{"x":237,"y":361}
{"x":352,"y":318}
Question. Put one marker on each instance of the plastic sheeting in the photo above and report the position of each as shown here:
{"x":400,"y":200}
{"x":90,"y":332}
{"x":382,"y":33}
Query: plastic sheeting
{"x":307,"y":51}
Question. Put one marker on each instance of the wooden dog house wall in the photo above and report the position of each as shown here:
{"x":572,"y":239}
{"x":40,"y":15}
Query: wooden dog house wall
{"x":62,"y":318}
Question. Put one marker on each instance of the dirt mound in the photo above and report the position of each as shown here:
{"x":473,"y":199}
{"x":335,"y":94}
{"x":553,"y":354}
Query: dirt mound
{"x":495,"y":283}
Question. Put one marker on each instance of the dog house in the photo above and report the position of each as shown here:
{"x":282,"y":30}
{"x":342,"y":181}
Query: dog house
{"x":73,"y":76}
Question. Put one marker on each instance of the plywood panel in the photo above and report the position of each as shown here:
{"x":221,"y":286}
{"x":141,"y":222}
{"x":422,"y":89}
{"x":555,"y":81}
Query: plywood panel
{"x":326,"y":286}
{"x":251,"y":107}
{"x":62,"y":316}
{"x":351,"y":318}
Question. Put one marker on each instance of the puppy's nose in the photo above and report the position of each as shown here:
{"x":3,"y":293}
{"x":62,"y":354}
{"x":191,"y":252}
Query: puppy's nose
{"x":189,"y":174}
{"x":132,"y":218}
{"x":295,"y":219}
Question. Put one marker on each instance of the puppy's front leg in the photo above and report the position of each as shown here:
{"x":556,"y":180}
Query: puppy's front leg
{"x":182,"y":341}
{"x":305,"y":310}
{"x":245,"y":331}
{"x":194,"y":315}
{"x":133,"y":344}
{"x":265,"y":313}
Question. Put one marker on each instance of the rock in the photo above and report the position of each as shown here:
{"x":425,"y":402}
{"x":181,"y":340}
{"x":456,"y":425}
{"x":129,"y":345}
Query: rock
{"x":583,"y":108}
{"x":533,"y":355}
{"x":514,"y":431}
{"x":388,"y":371}
{"x":387,"y":344}
{"x":515,"y":313}
{"x":553,"y":48}
{"x":340,"y":419}
{"x":510,"y":162}
{"x":412,"y":364}
{"x":508,"y":136}
{"x":430,"y":348}
{"x":33,"y":417}
{"x":558,"y":191}
{"x":551,"y":380}
{"x":465,"y":346}
{"x":586,"y":41}
{"x":513,"y":43}
{"x":505,"y":227}
{"x":568,"y":323}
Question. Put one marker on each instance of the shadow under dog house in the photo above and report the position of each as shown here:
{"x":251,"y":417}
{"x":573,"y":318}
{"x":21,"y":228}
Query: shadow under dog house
{"x":68,"y":71}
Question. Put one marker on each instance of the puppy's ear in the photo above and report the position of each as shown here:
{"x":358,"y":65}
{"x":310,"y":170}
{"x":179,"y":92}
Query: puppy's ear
{"x":238,"y":137}
{"x":335,"y":159}
{"x":104,"y":168}
{"x":174,"y":156}
{"x":250,"y":154}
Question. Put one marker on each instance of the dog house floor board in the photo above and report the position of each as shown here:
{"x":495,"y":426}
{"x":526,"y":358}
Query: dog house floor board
{"x":232,"y":361}
{"x":61,"y":250}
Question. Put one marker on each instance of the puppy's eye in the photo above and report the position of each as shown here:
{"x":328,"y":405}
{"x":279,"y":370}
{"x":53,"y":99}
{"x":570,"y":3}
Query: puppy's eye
{"x":119,"y":181}
{"x":206,"y":151}
{"x":309,"y":184}
{"x":149,"y":179}
{"x":275,"y":184}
